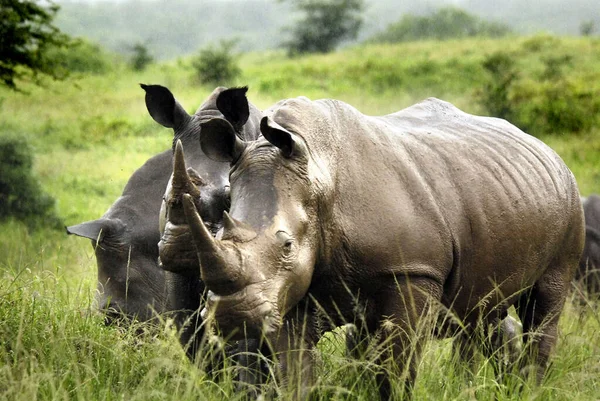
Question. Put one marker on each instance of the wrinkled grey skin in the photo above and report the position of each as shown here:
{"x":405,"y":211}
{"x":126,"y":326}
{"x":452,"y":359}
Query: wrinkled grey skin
{"x":377,"y":219}
{"x":130,"y":281}
{"x":589,"y":265}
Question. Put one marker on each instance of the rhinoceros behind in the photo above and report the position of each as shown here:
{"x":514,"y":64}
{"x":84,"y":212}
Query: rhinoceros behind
{"x":125,"y":242}
{"x":388,"y":216}
{"x":589,"y":265}
{"x":125,"y":239}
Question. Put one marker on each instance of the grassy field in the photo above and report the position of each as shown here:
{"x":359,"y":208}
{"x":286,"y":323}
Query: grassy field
{"x":90,"y":133}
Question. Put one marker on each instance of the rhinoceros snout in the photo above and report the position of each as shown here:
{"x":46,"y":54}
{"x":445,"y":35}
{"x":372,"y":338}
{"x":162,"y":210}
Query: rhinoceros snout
{"x":242,"y":314}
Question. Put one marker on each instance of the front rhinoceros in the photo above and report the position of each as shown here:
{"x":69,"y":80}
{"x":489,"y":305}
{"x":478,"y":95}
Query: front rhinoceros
{"x":384,"y":217}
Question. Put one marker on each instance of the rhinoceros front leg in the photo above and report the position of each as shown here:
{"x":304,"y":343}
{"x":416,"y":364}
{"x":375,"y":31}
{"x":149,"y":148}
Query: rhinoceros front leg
{"x":401,"y":306}
{"x":294,"y":351}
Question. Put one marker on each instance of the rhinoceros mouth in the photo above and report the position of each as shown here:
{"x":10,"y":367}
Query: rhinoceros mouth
{"x":246,"y":312}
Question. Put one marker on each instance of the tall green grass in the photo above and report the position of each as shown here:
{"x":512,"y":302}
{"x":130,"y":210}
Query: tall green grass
{"x":90,"y":133}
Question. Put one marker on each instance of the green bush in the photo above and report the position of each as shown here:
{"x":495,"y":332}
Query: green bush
{"x":495,"y":96}
{"x":549,"y":101}
{"x":21,"y":195}
{"x":82,"y":57}
{"x":141,"y":57}
{"x":445,"y":23}
{"x":217,"y":65}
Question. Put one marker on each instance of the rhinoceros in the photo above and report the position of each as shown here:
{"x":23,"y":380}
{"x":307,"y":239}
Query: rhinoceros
{"x":207,"y":181}
{"x":125,"y":239}
{"x":376,"y":220}
{"x":589,"y":265}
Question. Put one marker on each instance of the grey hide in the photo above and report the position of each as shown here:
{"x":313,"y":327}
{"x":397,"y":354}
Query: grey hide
{"x":379,"y":219}
{"x":589,"y":265}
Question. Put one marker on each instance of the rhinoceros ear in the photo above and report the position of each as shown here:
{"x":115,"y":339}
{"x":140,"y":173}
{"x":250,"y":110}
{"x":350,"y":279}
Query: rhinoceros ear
{"x":163,"y":107}
{"x":97,"y":229}
{"x":234,"y":106}
{"x":219,"y":141}
{"x":279,"y":137}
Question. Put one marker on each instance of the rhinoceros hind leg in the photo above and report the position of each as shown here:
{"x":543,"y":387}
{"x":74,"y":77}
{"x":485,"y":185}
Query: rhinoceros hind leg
{"x":539,"y":310}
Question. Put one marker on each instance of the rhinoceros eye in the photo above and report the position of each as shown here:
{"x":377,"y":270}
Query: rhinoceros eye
{"x":286,"y":240}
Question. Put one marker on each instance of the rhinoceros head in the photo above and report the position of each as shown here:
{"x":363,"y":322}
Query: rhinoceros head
{"x":262,"y":261}
{"x":128,"y":286}
{"x":205,"y":179}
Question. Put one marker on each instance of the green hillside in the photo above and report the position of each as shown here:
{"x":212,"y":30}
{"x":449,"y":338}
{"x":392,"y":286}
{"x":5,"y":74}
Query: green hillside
{"x":90,"y":133}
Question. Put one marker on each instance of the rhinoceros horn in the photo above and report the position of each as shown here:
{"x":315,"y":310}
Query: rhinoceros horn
{"x":183,"y":181}
{"x":236,"y":230}
{"x":221,"y":264}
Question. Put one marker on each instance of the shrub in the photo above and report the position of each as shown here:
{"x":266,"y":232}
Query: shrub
{"x":495,"y":95}
{"x":82,"y":57}
{"x":445,"y":23}
{"x":21,"y":195}
{"x":217,"y":65}
{"x":587,"y":28}
{"x":550,"y":101}
{"x":141,"y":57}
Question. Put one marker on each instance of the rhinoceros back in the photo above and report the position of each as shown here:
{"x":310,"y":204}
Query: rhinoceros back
{"x":470,"y":201}
{"x":509,"y":203}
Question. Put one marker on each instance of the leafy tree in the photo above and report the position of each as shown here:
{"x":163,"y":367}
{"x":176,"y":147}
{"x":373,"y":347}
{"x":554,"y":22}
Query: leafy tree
{"x":445,"y":23}
{"x":141,"y":57}
{"x":587,"y":28}
{"x":217,"y":64}
{"x":326,"y":23}
{"x":26,"y":35}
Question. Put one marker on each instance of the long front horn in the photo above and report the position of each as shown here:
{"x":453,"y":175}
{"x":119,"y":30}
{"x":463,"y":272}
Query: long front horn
{"x":181,"y":183}
{"x":221,"y":265}
{"x":203,"y":239}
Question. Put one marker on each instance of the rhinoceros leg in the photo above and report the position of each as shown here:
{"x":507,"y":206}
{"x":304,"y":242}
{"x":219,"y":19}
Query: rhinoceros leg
{"x":252,"y":370}
{"x":539,"y":310}
{"x":497,"y":336}
{"x":294,"y":350}
{"x":401,"y":306}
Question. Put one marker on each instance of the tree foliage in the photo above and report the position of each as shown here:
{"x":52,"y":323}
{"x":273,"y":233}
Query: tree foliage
{"x":445,"y":23}
{"x":26,"y":34}
{"x":217,"y":64}
{"x":141,"y":57}
{"x":82,"y":56}
{"x":326,"y":24}
{"x":587,"y":28}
